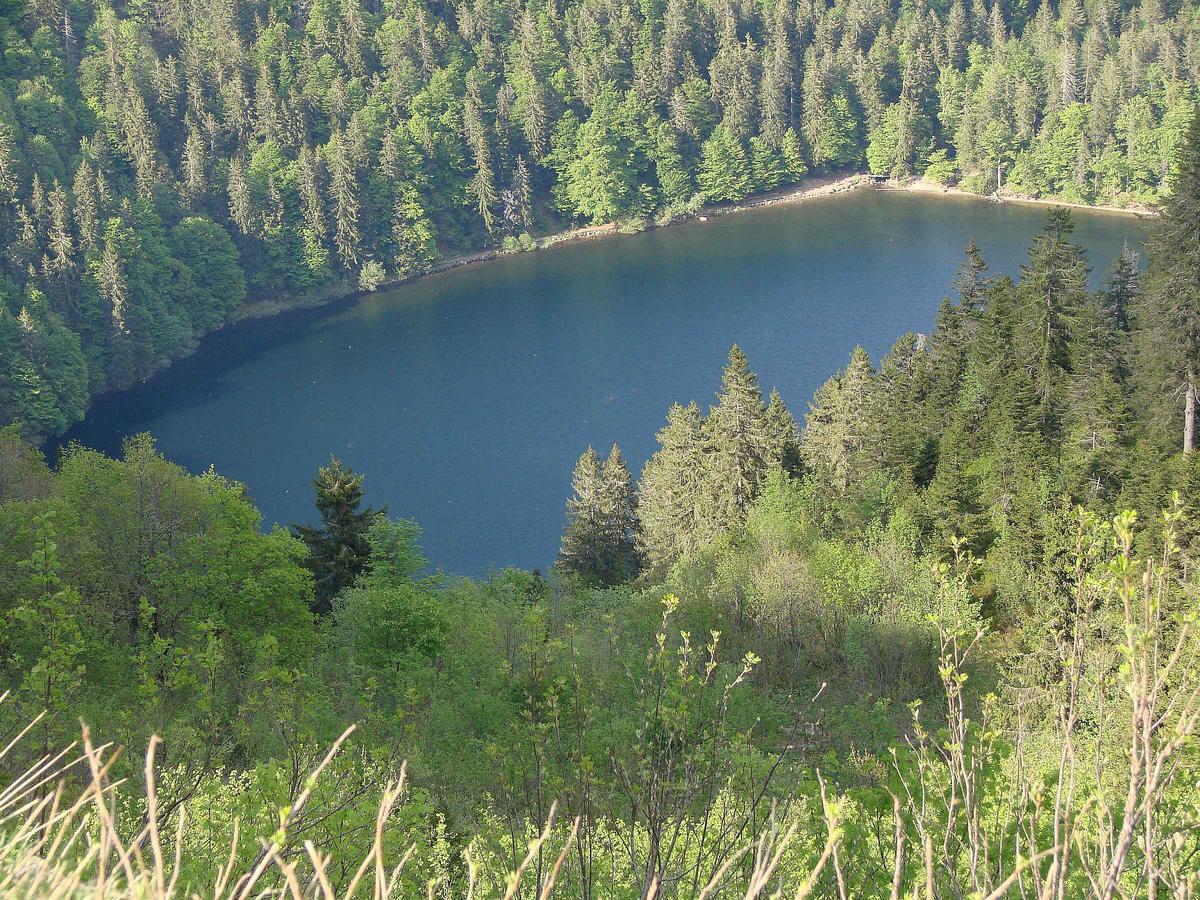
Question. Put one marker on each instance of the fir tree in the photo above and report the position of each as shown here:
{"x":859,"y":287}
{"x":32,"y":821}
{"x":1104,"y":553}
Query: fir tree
{"x":737,"y":430}
{"x":8,"y":165}
{"x":1169,"y":315}
{"x":343,"y":189}
{"x":618,"y":502}
{"x":598,"y":544}
{"x":241,"y":207}
{"x":586,"y":539}
{"x":841,"y":431}
{"x":87,"y":213}
{"x":338,"y":549}
{"x":1051,"y":293}
{"x":783,"y":436}
{"x":675,"y":511}
{"x":725,"y":172}
{"x":1123,"y":288}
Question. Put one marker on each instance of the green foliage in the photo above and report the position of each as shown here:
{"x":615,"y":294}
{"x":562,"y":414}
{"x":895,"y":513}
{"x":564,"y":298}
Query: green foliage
{"x":339,"y":550}
{"x":726,"y":172}
{"x":154,"y":179}
{"x":598,"y":543}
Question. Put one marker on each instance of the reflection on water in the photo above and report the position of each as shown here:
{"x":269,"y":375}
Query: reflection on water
{"x":467,"y":397}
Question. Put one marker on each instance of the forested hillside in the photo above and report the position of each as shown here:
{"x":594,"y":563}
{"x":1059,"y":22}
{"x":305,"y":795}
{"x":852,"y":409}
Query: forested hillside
{"x":940,"y":641}
{"x":161,"y":162}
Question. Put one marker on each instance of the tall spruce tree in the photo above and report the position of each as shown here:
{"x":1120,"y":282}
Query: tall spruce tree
{"x":620,"y":518}
{"x":675,"y":511}
{"x":739,"y":438}
{"x":783,"y":436}
{"x":338,"y":549}
{"x":1050,"y":296}
{"x":585,"y":539}
{"x":841,"y":439}
{"x":1169,"y":315}
{"x":1123,"y":288}
{"x":598,"y":541}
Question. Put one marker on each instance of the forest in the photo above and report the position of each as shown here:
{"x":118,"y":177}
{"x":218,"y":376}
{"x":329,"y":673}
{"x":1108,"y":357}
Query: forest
{"x":936,"y":637}
{"x":162,"y":163}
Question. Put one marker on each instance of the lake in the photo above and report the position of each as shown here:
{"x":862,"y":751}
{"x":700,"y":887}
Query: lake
{"x":467,"y":397}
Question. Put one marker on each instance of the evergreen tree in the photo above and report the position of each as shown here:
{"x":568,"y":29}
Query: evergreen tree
{"x":522,"y":194}
{"x":737,"y":430}
{"x":783,"y":436}
{"x":971,"y":282}
{"x":343,"y":189}
{"x":8,"y":165}
{"x":241,"y":206}
{"x":675,"y":510}
{"x":483,"y":184}
{"x":1169,"y":314}
{"x":598,"y":544}
{"x":841,"y":435}
{"x":1051,"y":293}
{"x":725,"y":171}
{"x":338,"y":549}
{"x":586,"y":541}
{"x":621,"y":519}
{"x":1123,"y":288}
{"x":87,"y":213}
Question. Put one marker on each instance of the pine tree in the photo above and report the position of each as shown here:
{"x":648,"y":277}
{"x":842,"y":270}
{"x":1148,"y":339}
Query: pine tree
{"x":522,"y":194}
{"x":1169,"y":314}
{"x":60,"y":241}
{"x":1098,"y":415}
{"x":793,"y":157}
{"x":725,"y":172}
{"x":308,"y":175}
{"x":971,"y":283}
{"x":586,"y":539}
{"x":841,"y":439}
{"x":1123,"y":288}
{"x":241,"y":207}
{"x":783,"y":436}
{"x":483,"y":183}
{"x":737,"y":430}
{"x":194,"y":166}
{"x":767,"y":168}
{"x":338,"y":550}
{"x":777,"y":85}
{"x":8,"y":165}
{"x":618,"y":501}
{"x":675,"y":509}
{"x":87,"y":212}
{"x":343,"y":188}
{"x":1051,"y":292}
{"x":110,"y":276}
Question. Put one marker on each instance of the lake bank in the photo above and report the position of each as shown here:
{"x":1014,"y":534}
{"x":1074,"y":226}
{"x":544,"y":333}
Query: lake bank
{"x":347,"y":289}
{"x":822,"y":186}
{"x":466,"y":399}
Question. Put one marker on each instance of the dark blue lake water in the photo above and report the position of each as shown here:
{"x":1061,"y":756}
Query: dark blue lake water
{"x":467,"y":397}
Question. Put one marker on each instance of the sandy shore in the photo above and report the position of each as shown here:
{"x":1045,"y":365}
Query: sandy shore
{"x":823,"y":186}
{"x":921,"y":186}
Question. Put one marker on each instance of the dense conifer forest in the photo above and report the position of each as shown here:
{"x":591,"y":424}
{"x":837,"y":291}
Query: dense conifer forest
{"x":162,"y":162}
{"x":933,"y":637}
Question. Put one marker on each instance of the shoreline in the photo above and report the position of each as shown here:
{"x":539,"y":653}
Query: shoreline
{"x":347,"y":289}
{"x":821,"y":186}
{"x":924,"y":187}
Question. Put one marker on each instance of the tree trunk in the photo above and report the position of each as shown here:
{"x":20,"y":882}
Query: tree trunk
{"x":1189,"y":413}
